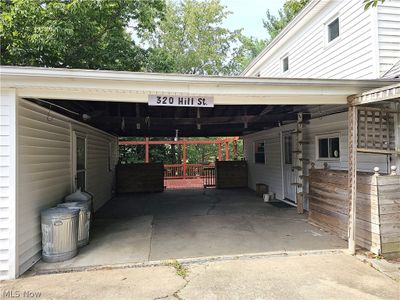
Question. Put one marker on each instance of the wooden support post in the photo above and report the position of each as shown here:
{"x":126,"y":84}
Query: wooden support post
{"x":235,"y":150}
{"x":184,"y":160}
{"x":219,"y":151}
{"x":226,"y":151}
{"x":352,"y":177}
{"x":147,"y":159}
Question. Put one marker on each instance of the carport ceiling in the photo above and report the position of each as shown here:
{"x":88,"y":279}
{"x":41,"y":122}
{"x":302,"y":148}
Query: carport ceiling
{"x":139,"y":119}
{"x":117,"y":101}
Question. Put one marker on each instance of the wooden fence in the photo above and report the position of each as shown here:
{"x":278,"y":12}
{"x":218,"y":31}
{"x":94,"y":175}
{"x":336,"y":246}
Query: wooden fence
{"x":378,"y":208}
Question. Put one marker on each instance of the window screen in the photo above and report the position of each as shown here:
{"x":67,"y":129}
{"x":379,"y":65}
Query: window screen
{"x":333,"y":30}
{"x":285,"y":64}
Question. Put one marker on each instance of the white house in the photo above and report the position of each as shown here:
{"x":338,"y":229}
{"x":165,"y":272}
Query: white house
{"x":334,"y":39}
{"x":44,"y":116}
{"x":328,"y":39}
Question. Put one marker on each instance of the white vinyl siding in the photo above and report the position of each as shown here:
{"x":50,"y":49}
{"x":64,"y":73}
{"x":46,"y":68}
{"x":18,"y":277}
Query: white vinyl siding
{"x":271,"y":172}
{"x":389,"y":34}
{"x":8,"y":108}
{"x":45,"y":171}
{"x":349,"y":56}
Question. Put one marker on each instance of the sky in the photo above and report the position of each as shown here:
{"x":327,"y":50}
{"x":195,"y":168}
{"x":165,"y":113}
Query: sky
{"x":248,"y":14}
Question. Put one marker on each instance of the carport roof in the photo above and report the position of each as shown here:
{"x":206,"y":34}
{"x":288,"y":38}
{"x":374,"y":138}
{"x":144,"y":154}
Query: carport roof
{"x":117,"y":86}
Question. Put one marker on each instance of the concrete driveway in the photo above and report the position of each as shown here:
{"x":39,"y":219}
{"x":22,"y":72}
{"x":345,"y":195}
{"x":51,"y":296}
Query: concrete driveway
{"x":335,"y":276}
{"x":193,"y":223}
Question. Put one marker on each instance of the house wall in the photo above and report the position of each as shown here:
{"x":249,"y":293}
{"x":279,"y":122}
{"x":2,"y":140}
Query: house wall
{"x":389,"y":34}
{"x":45,"y":170}
{"x":8,"y":145}
{"x":354,"y":55}
{"x":270,"y":173}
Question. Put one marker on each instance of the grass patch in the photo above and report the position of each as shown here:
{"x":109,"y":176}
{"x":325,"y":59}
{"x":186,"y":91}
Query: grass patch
{"x":180,"y":269}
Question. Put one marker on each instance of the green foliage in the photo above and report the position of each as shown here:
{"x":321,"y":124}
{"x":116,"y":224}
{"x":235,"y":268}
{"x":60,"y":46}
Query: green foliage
{"x":191,"y":39}
{"x":88,"y":34}
{"x":372,"y":3}
{"x":180,"y":269}
{"x":275,"y":24}
{"x":172,"y":154}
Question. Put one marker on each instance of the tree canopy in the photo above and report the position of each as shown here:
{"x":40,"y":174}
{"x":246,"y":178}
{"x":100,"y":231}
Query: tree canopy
{"x":275,"y":24}
{"x":192,"y":39}
{"x":372,"y":3}
{"x":76,"y":33}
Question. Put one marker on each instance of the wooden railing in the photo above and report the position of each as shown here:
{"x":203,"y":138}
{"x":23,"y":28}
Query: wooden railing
{"x":183,"y":171}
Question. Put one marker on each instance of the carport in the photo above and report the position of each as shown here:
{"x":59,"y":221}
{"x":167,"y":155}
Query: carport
{"x":46,"y":111}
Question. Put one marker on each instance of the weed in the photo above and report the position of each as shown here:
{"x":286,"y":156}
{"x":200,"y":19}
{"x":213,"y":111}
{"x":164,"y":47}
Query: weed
{"x":180,"y":269}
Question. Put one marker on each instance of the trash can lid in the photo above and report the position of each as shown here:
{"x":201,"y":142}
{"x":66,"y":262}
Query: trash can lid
{"x":78,"y":204}
{"x":59,"y":212}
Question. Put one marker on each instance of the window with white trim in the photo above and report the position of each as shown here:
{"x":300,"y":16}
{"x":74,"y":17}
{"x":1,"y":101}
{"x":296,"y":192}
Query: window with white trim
{"x":333,"y":30}
{"x":259,"y":152}
{"x":328,"y":147}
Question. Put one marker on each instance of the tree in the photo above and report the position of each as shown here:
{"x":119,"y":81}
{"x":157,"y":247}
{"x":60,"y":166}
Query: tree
{"x":88,"y":34}
{"x":372,"y":3}
{"x":291,"y":8}
{"x":191,"y":39}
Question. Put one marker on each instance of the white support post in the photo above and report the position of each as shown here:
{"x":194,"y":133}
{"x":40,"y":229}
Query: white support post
{"x":352,"y":177}
{"x":8,"y":193}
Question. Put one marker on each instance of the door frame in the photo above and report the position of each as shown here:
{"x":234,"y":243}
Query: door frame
{"x":77,"y":134}
{"x":283,"y":133}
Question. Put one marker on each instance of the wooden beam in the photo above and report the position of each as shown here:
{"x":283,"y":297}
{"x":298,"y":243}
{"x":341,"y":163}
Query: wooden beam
{"x":247,"y":119}
{"x":377,"y":95}
{"x":184,"y":159}
{"x":181,"y":142}
{"x":147,"y":157}
{"x":352,"y":177}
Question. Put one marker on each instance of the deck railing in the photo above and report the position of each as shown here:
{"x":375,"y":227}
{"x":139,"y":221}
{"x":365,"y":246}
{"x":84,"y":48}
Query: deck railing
{"x":183,"y":171}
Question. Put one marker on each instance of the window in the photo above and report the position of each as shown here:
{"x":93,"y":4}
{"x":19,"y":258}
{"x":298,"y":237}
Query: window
{"x":288,"y":146}
{"x":80,"y":167}
{"x":333,"y":30}
{"x":259,"y":153}
{"x":110,"y":157}
{"x":285,"y":64}
{"x":328,"y":147}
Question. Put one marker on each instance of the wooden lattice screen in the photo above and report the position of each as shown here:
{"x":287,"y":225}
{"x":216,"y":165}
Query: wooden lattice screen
{"x":376,"y":131}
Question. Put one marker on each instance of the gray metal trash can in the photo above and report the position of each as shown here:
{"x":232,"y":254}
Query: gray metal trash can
{"x":80,"y":196}
{"x":84,"y":220}
{"x":59,"y":233}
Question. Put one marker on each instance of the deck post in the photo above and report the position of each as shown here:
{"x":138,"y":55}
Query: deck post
{"x":147,"y":150}
{"x":184,"y":159}
{"x":352,"y":176}
{"x":219,"y":151}
{"x":226,"y":151}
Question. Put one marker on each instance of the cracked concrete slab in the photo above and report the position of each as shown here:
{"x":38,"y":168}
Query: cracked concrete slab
{"x":138,"y":283}
{"x":335,"y":276}
{"x":310,"y":277}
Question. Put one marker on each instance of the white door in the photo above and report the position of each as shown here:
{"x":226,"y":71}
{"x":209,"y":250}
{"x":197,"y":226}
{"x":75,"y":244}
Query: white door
{"x":79,"y":161}
{"x":289,"y":173}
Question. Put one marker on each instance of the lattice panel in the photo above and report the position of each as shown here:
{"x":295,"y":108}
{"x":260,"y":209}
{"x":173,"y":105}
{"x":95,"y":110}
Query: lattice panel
{"x":376,"y":130}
